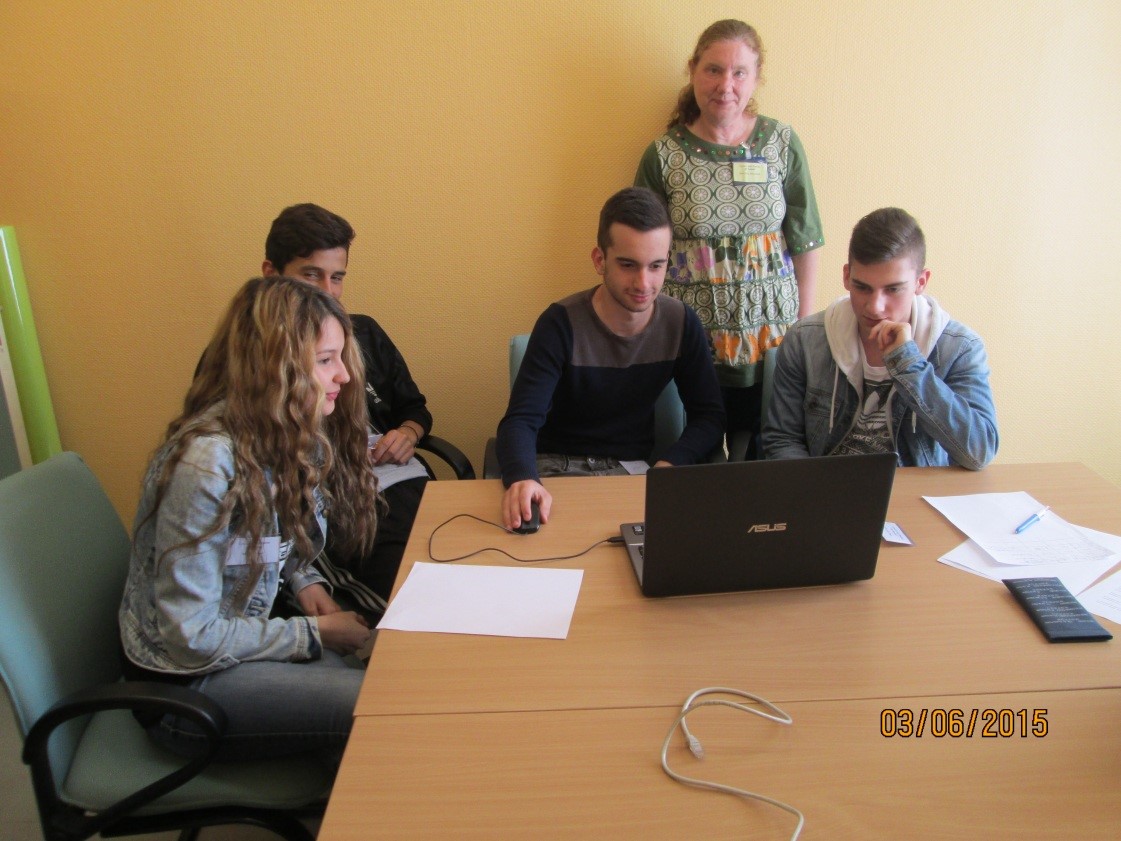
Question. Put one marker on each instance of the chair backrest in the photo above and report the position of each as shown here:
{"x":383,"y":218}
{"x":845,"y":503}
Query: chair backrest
{"x":770,"y":359}
{"x":669,"y":412}
{"x":63,"y":560}
{"x":517,"y":351}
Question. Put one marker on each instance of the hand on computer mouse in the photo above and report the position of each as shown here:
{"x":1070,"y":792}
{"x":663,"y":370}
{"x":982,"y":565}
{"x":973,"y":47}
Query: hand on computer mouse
{"x":523,"y":502}
{"x":533,"y":523}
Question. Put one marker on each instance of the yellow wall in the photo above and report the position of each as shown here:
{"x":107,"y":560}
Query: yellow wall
{"x":146,"y":147}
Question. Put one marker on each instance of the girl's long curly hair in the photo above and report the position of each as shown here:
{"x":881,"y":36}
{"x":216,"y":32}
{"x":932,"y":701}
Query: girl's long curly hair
{"x":256,"y":384}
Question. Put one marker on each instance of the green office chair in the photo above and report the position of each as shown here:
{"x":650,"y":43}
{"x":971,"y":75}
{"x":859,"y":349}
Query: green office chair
{"x":63,"y":560}
{"x":669,"y":415}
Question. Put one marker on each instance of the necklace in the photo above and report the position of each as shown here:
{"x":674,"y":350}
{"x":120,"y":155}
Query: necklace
{"x":715,"y":151}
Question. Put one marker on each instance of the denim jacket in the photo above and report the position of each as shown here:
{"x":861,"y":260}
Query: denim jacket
{"x":199,"y":608}
{"x":941,"y":407}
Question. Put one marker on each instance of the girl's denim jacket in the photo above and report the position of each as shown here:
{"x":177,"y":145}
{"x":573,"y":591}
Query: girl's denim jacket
{"x":201,"y":608}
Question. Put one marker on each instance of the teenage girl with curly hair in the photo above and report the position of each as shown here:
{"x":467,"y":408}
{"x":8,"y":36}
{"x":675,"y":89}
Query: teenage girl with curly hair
{"x":232,"y":510}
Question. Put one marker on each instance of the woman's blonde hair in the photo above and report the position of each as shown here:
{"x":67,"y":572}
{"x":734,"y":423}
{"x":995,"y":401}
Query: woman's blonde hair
{"x":256,"y":384}
{"x":687,"y":110}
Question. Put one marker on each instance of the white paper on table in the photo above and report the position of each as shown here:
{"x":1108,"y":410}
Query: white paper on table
{"x":1104,"y":599}
{"x":635,"y":468}
{"x":990,"y":520}
{"x":493,"y":601}
{"x":970,"y":557}
{"x":892,"y":533}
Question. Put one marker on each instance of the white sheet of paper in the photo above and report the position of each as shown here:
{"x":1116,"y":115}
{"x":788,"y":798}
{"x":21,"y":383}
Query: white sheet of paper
{"x":970,"y":557}
{"x":493,"y":601}
{"x":1104,"y":599}
{"x":635,"y":468}
{"x":990,"y":520}
{"x":390,"y":474}
{"x":894,"y":534}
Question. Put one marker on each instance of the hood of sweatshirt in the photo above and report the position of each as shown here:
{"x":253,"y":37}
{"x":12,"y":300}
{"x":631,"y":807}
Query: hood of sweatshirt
{"x":928,"y":320}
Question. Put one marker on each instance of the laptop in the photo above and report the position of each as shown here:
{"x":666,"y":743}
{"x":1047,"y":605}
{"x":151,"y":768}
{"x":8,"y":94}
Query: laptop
{"x":758,"y":525}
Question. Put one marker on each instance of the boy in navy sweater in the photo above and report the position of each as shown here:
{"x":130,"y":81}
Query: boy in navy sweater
{"x":583,"y":401}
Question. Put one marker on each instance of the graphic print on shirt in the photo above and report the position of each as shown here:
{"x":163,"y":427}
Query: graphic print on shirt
{"x":871,"y":433}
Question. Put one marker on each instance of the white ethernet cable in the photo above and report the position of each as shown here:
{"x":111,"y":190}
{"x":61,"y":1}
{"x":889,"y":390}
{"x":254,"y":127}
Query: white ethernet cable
{"x":691,"y":703}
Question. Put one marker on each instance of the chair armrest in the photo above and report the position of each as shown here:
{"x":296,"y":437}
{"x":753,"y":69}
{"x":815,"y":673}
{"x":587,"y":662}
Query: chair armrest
{"x":152,"y":696}
{"x":450,"y":453}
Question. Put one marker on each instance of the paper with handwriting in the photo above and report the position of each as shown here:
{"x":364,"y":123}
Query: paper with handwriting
{"x":990,"y":520}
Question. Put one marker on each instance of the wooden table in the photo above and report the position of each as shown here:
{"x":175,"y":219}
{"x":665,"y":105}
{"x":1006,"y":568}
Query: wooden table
{"x":483,"y":737}
{"x":595,"y":774}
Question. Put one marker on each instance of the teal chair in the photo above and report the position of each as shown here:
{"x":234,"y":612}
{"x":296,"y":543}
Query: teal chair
{"x":669,"y":415}
{"x":63,"y":560}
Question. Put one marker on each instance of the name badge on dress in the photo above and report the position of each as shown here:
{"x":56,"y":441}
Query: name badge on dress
{"x":750,"y":171}
{"x":268,"y":551}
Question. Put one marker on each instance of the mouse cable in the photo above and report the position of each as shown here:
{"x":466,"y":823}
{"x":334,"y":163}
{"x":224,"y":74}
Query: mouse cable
{"x":691,"y":704}
{"x":433,"y":557}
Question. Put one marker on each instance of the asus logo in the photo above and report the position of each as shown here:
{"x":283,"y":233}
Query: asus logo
{"x":762,"y":527}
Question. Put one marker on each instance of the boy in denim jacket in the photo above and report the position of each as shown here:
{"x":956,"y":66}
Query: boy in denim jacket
{"x":884,"y":368}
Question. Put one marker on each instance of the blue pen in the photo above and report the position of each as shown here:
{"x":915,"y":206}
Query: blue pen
{"x":1032,"y":520}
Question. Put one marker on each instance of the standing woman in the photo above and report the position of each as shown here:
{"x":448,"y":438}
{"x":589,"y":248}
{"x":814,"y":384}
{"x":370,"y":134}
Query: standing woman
{"x":745,"y":223}
{"x":273,"y":432}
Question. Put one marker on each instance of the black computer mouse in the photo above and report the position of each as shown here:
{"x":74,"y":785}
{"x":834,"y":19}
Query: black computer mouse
{"x":533,"y":523}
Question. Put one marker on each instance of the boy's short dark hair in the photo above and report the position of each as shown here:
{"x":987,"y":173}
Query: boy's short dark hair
{"x":637,"y":208}
{"x":302,"y":229}
{"x":886,"y":234}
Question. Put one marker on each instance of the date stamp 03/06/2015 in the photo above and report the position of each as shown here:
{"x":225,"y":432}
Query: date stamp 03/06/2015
{"x":958,"y":723}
